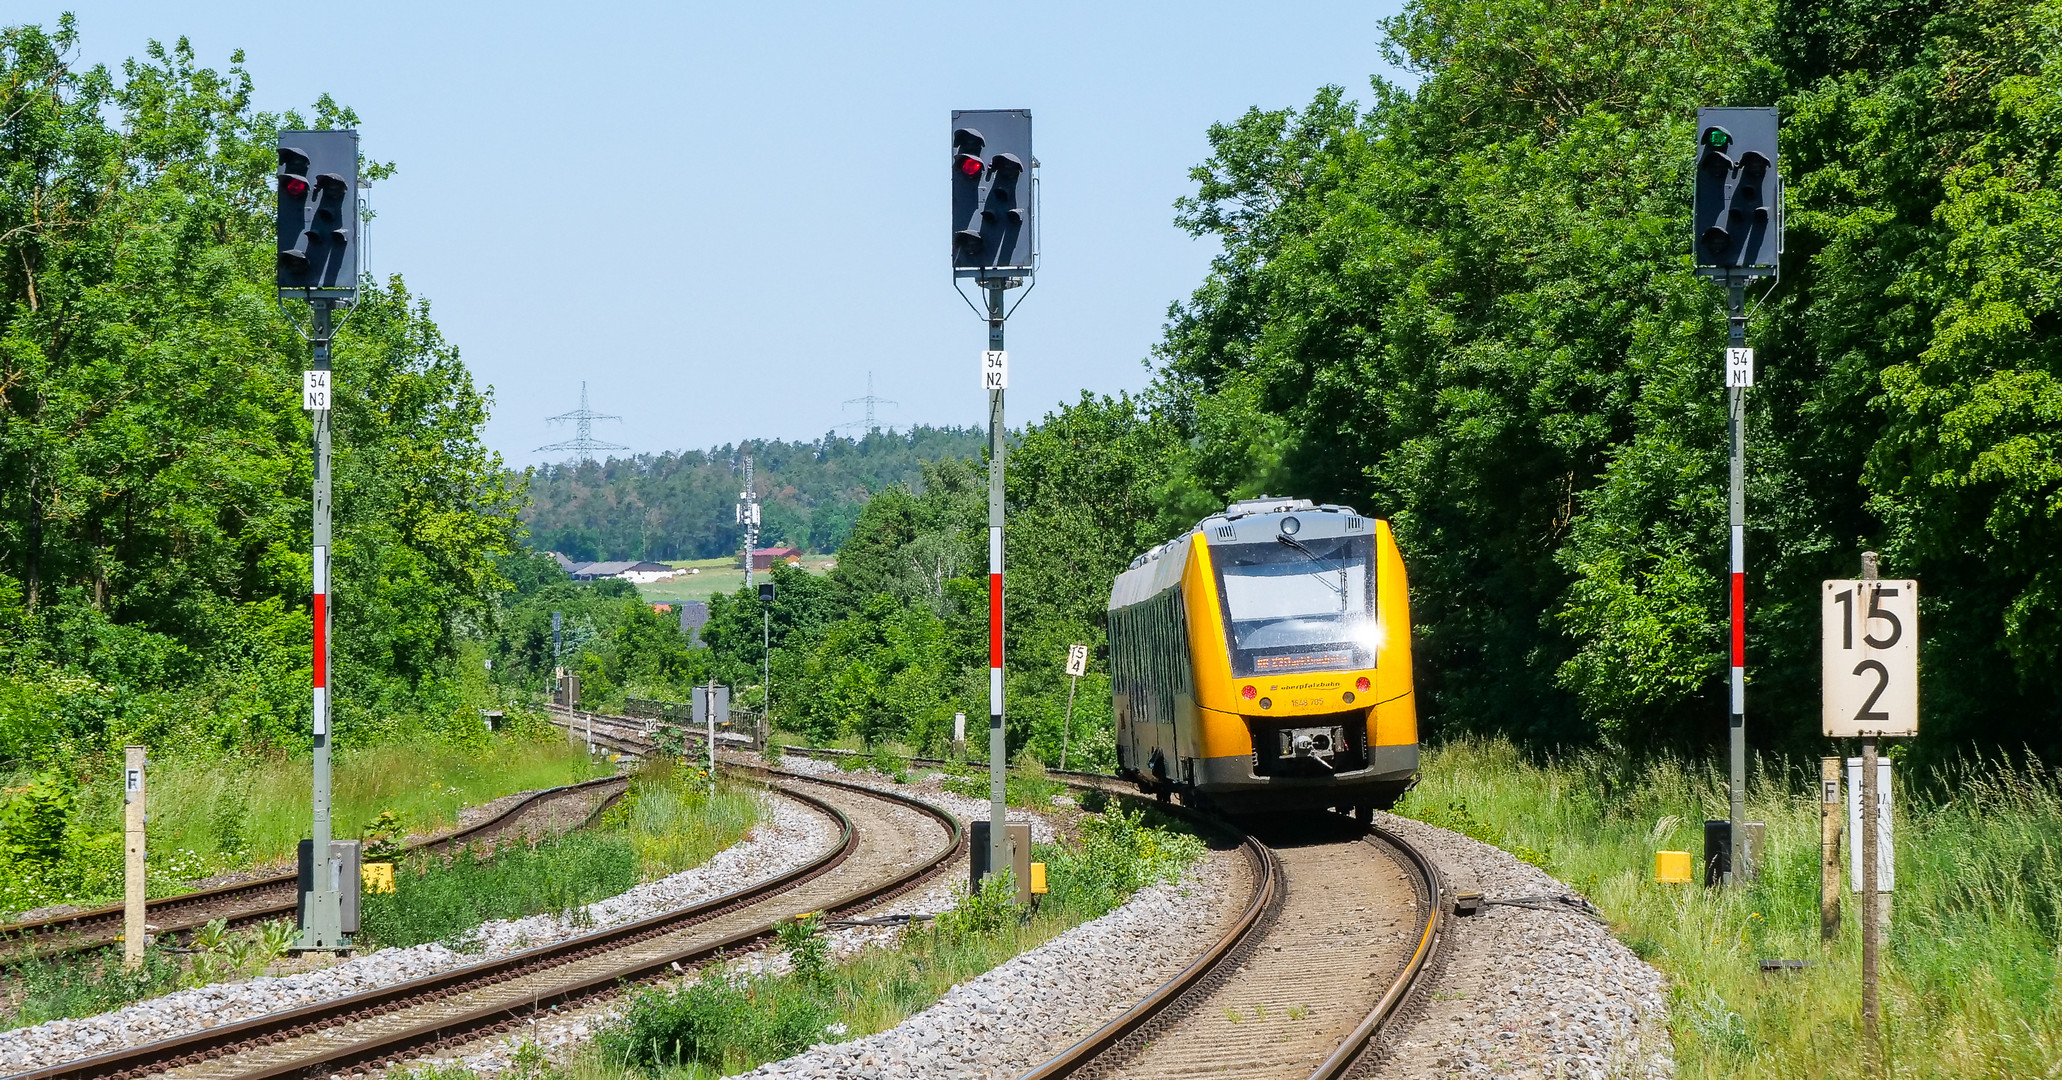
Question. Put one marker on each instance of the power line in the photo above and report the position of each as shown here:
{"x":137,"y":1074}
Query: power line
{"x":583,"y":444}
{"x":866,"y":426}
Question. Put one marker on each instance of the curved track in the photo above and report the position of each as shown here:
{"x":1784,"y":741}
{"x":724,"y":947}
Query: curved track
{"x":260,"y":899}
{"x":1340,"y":930}
{"x":879,"y":855}
{"x":1332,"y":943}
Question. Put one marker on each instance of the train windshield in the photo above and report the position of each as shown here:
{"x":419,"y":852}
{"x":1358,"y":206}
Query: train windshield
{"x":1298,"y":605}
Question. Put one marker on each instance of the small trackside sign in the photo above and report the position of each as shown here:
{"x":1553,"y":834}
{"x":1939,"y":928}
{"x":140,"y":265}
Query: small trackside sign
{"x":1077,"y":660}
{"x":995,"y":369}
{"x":1739,"y":367}
{"x":314,"y":390}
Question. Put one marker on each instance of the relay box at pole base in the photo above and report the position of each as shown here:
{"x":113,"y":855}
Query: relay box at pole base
{"x":1019,"y":836}
{"x":341,"y":875}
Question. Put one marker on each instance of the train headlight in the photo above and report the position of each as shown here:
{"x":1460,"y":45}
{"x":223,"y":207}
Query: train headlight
{"x":1290,"y":525}
{"x":1267,"y":703}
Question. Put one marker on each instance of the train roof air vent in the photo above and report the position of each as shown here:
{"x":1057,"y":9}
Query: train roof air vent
{"x":1225,"y":532}
{"x":1356,"y":523}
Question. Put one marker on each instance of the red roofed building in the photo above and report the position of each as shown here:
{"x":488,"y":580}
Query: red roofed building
{"x":764,"y":558}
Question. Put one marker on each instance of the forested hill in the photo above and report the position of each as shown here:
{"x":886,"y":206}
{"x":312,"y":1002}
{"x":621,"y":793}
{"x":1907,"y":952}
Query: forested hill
{"x":681,"y":505}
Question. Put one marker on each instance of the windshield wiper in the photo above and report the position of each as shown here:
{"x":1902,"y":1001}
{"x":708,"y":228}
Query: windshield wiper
{"x":1313,"y":556}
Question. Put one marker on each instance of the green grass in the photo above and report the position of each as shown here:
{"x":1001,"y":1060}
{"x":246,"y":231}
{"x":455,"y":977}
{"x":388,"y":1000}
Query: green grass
{"x":668,"y":821}
{"x":1969,"y":985}
{"x":672,"y":822}
{"x":215,"y":814}
{"x":435,"y":899}
{"x":42,"y":990}
{"x":717,"y":576}
{"x":714,"y":1026}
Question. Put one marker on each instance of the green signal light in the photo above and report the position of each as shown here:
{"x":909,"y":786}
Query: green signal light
{"x":1717,"y":138}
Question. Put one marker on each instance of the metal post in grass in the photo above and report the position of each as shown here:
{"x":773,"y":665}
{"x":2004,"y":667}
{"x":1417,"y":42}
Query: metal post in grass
{"x":1829,"y":849}
{"x":1077,"y":666}
{"x":133,"y":818}
{"x":1872,"y":1047}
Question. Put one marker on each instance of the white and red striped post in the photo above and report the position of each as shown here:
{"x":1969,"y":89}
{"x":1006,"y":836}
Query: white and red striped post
{"x":1736,"y":415}
{"x":998,"y":748}
{"x":322,"y":906}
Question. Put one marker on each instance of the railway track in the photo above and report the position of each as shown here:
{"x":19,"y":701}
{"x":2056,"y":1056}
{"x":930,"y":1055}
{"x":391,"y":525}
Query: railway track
{"x":1340,"y":929}
{"x":878,"y":856}
{"x":261,"y":899}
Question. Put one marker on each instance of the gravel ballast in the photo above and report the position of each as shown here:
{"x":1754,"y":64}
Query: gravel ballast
{"x":787,"y":836}
{"x":1526,"y":993}
{"x":1522,"y":993}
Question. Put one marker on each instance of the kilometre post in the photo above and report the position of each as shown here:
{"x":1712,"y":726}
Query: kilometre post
{"x":134,"y":820}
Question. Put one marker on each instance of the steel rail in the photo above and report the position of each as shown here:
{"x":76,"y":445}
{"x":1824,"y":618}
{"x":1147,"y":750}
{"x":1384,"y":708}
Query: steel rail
{"x":214,"y":1043}
{"x":1267,"y":874}
{"x":1350,"y":1049}
{"x":24,"y":939}
{"x":1363,"y":1036}
{"x":1085,"y":1054}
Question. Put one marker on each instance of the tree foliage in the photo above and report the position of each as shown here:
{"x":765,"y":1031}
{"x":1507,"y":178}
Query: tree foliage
{"x":678,"y":505}
{"x":154,"y":459}
{"x":1470,"y":307}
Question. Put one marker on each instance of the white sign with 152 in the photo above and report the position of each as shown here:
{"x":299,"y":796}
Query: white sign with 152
{"x":1869,"y":635}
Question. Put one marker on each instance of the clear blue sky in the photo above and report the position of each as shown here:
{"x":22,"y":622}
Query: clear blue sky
{"x":725,"y":216}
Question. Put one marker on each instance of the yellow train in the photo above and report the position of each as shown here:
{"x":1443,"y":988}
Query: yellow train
{"x":1262,"y":661}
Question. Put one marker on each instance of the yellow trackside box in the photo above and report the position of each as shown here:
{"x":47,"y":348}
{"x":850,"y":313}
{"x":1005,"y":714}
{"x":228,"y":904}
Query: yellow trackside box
{"x":378,"y":877}
{"x":1037,"y":878}
{"x":1672,"y":867}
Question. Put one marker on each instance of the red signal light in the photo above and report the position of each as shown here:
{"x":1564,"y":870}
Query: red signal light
{"x":1361,"y":683}
{"x":1249,"y":693}
{"x":970,"y":166}
{"x":293,"y":185}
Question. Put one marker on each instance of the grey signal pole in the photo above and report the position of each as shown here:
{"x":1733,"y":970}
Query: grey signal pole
{"x":322,"y":920}
{"x":1736,"y":414}
{"x":998,"y":750}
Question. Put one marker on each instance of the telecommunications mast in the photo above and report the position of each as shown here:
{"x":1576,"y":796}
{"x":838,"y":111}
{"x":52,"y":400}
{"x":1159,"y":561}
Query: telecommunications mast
{"x":748,"y":516}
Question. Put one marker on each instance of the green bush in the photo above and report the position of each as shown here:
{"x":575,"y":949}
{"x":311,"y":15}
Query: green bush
{"x":33,"y":819}
{"x":983,"y":913}
{"x":1117,"y":854}
{"x":802,"y":938}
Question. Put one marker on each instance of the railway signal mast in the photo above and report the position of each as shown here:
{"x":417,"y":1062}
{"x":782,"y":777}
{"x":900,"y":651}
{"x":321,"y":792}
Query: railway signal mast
{"x":317,"y":262}
{"x":994,"y":242}
{"x":1737,"y":236}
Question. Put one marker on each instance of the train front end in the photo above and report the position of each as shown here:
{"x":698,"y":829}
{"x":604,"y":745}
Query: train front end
{"x":1299,"y":624}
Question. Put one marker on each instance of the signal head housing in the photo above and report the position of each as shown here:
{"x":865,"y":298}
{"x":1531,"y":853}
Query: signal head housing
{"x":318,"y":218}
{"x":994,"y":206}
{"x":1737,"y":206}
